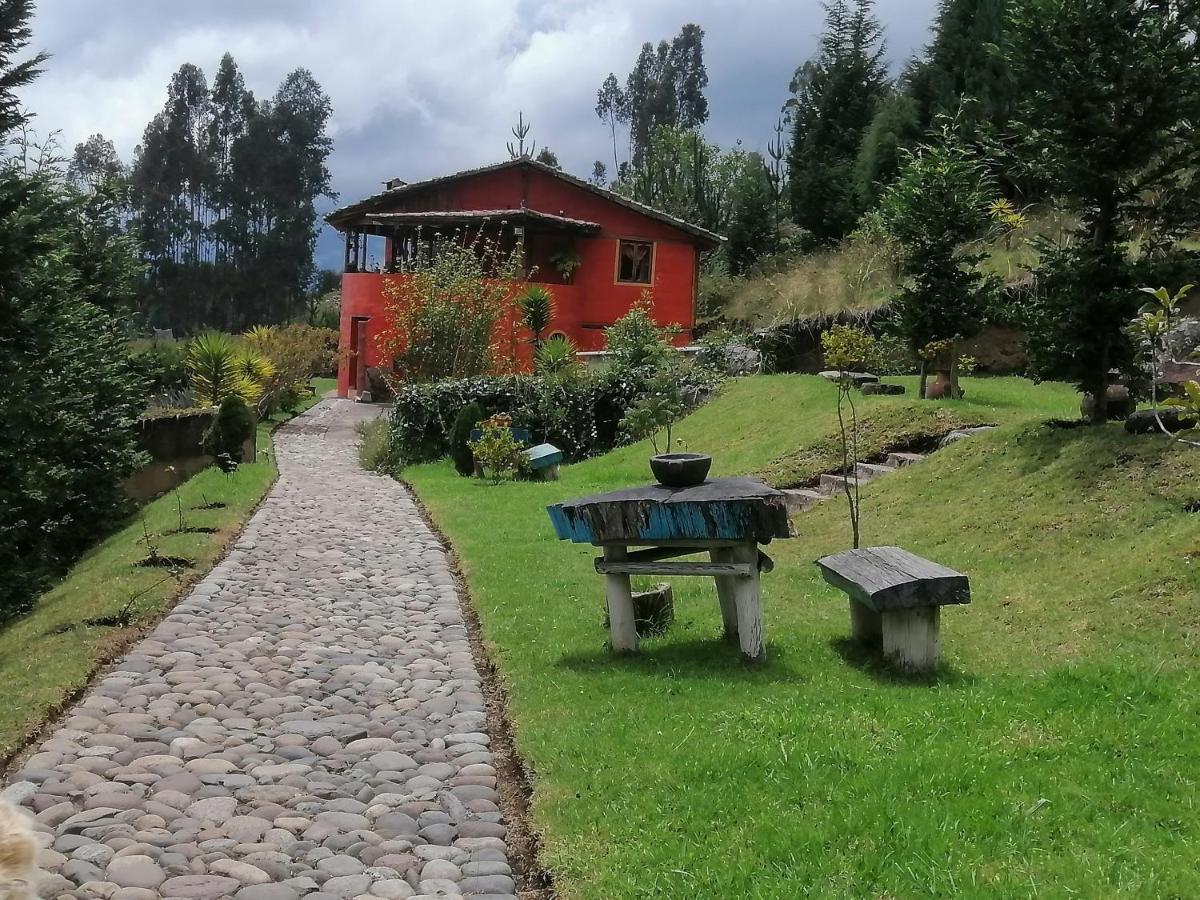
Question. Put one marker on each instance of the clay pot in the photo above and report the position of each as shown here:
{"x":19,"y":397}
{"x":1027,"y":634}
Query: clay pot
{"x":1120,"y":403}
{"x":940,"y":386}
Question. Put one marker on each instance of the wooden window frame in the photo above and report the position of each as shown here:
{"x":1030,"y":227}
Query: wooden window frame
{"x":653,"y":260}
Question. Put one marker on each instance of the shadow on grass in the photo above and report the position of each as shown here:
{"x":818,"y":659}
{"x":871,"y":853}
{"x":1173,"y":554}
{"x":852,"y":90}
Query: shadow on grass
{"x":869,"y":661}
{"x":702,"y":659}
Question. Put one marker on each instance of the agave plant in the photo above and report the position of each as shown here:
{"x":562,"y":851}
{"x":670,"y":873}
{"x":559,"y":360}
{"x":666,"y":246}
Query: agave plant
{"x":218,"y":367}
{"x":537,"y":308}
{"x":557,"y":358}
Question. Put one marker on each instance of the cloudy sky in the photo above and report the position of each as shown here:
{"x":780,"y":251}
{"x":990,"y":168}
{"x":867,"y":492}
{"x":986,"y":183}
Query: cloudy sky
{"x":427,"y":87}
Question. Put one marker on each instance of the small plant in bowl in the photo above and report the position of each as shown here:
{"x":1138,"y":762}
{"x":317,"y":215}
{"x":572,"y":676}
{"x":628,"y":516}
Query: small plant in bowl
{"x":655,"y":412}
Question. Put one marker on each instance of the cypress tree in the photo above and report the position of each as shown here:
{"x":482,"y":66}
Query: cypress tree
{"x":835,"y":98}
{"x":894,"y":129}
{"x":964,"y":60}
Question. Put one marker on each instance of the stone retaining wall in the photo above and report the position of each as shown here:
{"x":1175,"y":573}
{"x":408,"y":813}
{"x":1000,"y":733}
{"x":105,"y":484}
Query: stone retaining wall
{"x":173,"y":443}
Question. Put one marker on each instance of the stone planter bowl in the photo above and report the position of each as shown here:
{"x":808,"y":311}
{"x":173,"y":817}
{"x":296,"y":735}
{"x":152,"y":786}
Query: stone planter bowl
{"x":680,"y":469}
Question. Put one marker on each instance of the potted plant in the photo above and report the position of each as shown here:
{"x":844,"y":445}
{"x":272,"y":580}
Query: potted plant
{"x":656,"y":410}
{"x":565,"y":262}
{"x":940,"y":356}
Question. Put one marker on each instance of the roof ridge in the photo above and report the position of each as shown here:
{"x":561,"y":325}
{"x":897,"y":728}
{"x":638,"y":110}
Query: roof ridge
{"x":610,"y":195}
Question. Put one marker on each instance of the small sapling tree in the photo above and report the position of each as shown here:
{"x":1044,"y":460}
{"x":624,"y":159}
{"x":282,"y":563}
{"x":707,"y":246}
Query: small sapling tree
{"x":656,"y":410}
{"x":846,"y":348}
{"x":1150,"y":331}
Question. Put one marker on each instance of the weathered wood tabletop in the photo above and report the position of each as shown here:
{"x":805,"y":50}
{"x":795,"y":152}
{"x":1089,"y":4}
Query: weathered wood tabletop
{"x":720,"y":509}
{"x":726,"y":517}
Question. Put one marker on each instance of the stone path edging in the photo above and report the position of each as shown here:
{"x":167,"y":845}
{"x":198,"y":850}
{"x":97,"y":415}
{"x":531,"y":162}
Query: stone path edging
{"x":308,"y":722}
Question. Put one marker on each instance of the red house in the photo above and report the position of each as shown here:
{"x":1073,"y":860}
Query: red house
{"x":623,"y":248}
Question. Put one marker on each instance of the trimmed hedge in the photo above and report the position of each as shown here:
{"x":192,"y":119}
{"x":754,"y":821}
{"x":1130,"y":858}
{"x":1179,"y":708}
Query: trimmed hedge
{"x":582,"y":418}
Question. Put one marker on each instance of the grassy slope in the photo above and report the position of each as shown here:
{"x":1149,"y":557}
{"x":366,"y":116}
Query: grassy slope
{"x":857,"y":276}
{"x":48,"y":655}
{"x":1068,"y":680}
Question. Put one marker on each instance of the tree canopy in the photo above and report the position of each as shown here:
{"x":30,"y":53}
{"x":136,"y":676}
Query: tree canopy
{"x":223,"y":191}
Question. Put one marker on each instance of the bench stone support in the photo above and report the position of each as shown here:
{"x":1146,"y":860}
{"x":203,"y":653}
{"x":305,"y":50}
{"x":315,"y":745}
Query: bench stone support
{"x":621,"y":623}
{"x":911,"y":638}
{"x":866,"y":625}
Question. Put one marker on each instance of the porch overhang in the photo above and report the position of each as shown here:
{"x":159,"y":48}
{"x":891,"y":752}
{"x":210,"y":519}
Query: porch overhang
{"x":388,"y":223}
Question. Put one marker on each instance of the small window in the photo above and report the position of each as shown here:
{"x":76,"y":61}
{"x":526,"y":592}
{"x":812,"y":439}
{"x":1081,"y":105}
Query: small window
{"x":633,"y":262}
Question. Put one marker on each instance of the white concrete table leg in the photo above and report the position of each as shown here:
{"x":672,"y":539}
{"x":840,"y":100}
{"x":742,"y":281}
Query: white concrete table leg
{"x":726,"y":592}
{"x":622,"y":628}
{"x":866,"y":625}
{"x":749,"y":603}
{"x":911,"y":638}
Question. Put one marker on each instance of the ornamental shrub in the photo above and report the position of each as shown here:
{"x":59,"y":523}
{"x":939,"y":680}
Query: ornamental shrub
{"x":160,"y":364}
{"x":296,"y":352}
{"x":445,"y":317}
{"x":460,"y":435}
{"x":498,"y":452}
{"x":580,"y":417}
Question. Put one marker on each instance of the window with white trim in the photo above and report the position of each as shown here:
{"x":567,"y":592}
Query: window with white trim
{"x":635,"y":261}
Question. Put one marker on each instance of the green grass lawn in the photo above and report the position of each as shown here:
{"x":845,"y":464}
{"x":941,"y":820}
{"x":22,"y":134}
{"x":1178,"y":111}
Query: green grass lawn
{"x":1054,"y":755}
{"x":50,"y":654}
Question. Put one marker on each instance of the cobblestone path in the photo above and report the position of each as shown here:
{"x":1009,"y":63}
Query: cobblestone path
{"x":308,"y":722}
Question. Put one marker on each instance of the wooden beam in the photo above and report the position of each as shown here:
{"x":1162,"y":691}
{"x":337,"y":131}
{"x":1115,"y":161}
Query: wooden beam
{"x":652,"y":554}
{"x":749,"y":604}
{"x":912,"y":638}
{"x":726,"y":593}
{"x":710,"y":569}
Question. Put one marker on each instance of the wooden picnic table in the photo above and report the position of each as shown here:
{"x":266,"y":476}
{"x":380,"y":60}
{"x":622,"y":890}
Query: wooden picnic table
{"x":727,"y":518}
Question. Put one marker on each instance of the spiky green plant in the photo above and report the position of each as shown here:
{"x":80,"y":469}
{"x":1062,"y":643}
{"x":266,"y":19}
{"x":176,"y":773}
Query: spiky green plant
{"x":557,"y":358}
{"x":218,"y":368}
{"x":259,"y":336}
{"x":537,"y":309}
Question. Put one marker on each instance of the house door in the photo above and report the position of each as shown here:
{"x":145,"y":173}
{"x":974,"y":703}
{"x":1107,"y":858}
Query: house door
{"x":358,"y":350}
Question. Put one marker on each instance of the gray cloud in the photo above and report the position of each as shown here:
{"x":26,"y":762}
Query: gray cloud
{"x":421,"y":89}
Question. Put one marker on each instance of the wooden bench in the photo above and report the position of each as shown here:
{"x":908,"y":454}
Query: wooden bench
{"x":896,"y":599}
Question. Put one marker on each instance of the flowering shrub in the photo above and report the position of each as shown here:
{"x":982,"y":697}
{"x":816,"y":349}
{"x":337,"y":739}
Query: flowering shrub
{"x":442,"y":318}
{"x":496,"y":451}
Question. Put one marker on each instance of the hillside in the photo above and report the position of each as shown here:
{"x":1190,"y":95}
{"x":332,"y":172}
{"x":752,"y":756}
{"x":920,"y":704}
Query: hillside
{"x":1053,"y":754}
{"x":856,"y":276}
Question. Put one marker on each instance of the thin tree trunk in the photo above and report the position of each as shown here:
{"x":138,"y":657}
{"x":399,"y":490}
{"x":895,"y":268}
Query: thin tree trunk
{"x":955,"y":390}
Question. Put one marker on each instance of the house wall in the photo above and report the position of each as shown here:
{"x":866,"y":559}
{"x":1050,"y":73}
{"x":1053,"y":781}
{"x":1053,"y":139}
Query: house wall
{"x":593,"y":300}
